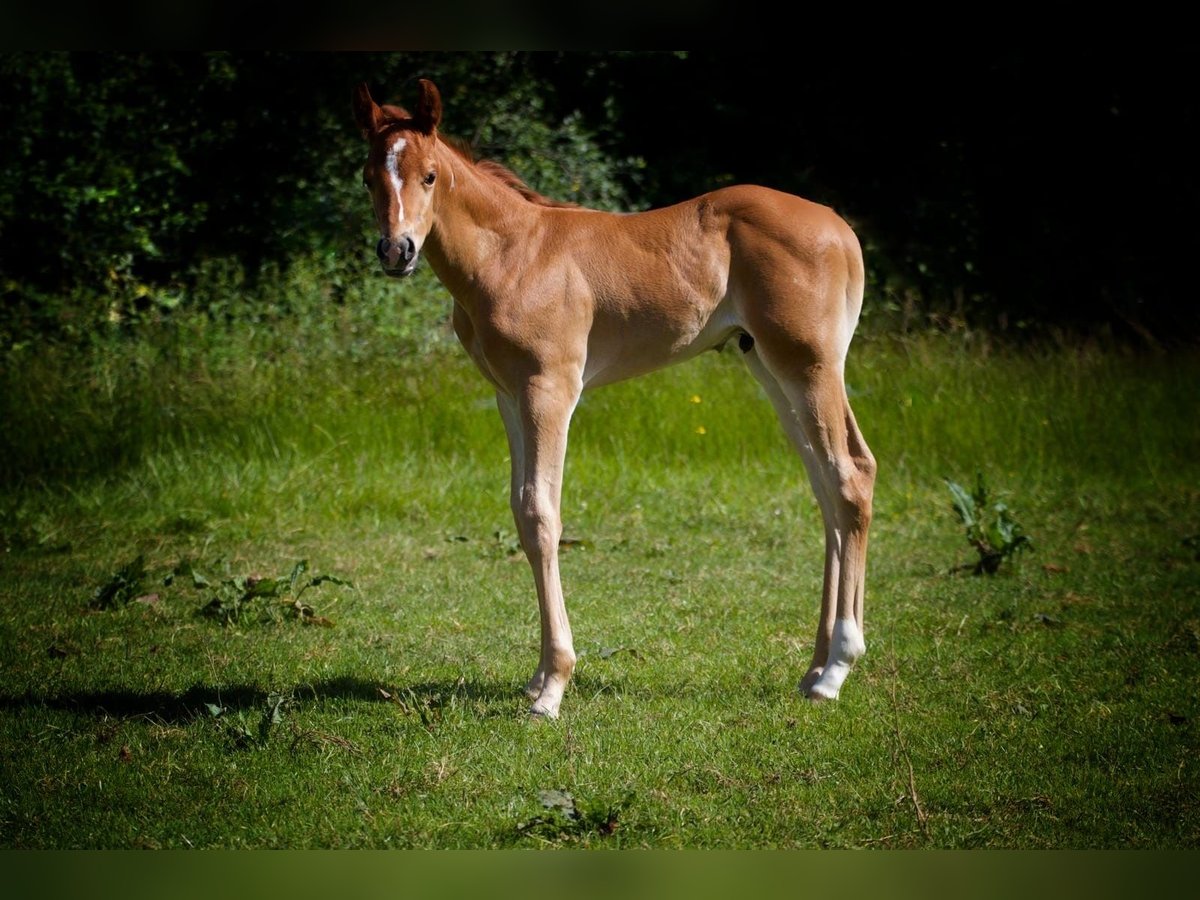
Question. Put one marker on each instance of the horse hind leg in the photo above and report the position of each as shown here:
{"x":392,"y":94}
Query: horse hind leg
{"x":864,"y":462}
{"x":790,"y":423}
{"x":810,"y":400}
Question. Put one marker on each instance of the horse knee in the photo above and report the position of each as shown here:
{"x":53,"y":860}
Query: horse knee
{"x":856,"y":490}
{"x":866,"y":465}
{"x":537,"y":523}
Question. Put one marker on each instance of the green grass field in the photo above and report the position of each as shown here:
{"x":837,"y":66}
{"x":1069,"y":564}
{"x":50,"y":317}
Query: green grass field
{"x":1052,"y":705}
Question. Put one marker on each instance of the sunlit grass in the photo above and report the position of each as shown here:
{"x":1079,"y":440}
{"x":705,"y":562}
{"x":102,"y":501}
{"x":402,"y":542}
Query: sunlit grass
{"x":1052,"y":705}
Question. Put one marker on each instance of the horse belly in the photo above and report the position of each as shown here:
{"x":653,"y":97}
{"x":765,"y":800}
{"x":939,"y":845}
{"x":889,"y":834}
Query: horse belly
{"x":625,"y":347}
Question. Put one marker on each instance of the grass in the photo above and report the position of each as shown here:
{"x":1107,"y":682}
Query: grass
{"x":1052,"y":705}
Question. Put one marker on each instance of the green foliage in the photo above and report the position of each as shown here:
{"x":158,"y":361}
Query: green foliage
{"x":561,"y":157}
{"x":139,"y":186}
{"x":85,"y":407}
{"x":990,"y":527}
{"x":567,"y":819}
{"x":95,"y":166}
{"x":124,"y":585}
{"x":233,"y":596}
{"x":236,"y":726}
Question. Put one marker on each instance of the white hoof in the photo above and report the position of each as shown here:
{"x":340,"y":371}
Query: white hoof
{"x":846,"y":647}
{"x":829,"y":685}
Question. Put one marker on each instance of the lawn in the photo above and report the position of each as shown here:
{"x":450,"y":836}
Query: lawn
{"x":1053,"y":704}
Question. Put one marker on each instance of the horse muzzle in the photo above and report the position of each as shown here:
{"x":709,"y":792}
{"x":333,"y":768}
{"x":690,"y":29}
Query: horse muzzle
{"x":398,"y":258}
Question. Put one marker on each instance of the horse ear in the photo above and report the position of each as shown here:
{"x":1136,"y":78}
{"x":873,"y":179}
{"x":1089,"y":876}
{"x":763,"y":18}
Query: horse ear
{"x":366,"y":111}
{"x":429,"y":106}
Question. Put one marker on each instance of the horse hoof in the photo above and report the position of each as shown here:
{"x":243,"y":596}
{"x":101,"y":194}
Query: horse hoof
{"x":537,"y":712}
{"x":811,"y":677}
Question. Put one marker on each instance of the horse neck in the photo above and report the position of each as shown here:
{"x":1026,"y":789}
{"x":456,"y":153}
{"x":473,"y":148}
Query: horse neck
{"x":474,"y":218}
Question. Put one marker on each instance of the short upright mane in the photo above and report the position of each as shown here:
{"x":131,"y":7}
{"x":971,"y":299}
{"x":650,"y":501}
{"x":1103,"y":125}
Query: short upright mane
{"x":503,"y":174}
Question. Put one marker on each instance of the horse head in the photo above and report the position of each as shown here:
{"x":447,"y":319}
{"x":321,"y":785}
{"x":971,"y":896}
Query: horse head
{"x":401,"y":172}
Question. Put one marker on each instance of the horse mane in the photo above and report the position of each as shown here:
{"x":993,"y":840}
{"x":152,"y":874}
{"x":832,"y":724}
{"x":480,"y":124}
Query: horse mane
{"x":496,"y":171}
{"x":504,"y":175}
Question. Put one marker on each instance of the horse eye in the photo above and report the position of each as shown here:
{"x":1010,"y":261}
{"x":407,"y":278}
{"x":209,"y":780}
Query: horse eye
{"x":431,"y":178}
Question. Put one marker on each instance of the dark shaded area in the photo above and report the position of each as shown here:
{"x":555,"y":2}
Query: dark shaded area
{"x":1043,"y":181}
{"x":1048,"y":182}
{"x":168,"y":707}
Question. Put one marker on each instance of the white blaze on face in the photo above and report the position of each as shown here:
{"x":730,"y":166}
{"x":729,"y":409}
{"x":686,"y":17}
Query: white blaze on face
{"x":392,"y":164}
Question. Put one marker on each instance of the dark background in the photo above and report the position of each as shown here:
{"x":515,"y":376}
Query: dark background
{"x":1036,"y":187}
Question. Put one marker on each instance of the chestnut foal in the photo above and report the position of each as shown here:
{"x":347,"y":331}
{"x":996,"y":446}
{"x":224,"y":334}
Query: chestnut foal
{"x":550,"y":299}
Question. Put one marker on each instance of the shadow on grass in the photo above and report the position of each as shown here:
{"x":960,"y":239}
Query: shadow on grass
{"x":193,"y":703}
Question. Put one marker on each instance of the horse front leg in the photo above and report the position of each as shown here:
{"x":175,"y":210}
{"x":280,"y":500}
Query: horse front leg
{"x":510,"y":413}
{"x":537,"y":423}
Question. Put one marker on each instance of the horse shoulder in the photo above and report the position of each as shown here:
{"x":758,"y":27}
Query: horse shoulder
{"x":535,"y":318}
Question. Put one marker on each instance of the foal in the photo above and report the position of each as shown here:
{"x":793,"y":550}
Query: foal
{"x":550,"y":299}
